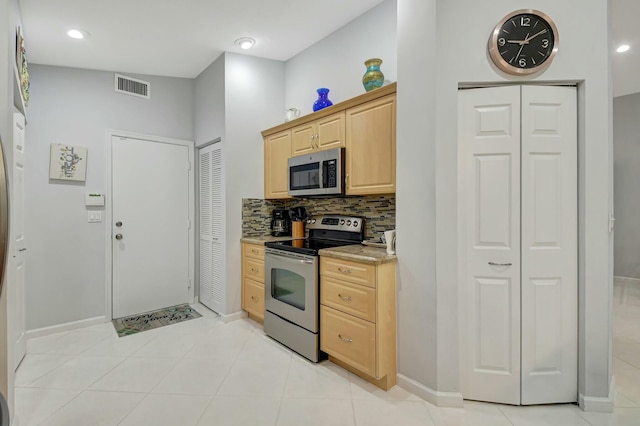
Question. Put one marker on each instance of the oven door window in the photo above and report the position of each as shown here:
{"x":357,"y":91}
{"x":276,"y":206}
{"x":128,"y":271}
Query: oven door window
{"x":288,"y":287}
{"x":306,"y":176}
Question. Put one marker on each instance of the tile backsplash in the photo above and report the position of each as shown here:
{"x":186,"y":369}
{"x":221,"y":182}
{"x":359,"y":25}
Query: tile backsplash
{"x":379,"y":212}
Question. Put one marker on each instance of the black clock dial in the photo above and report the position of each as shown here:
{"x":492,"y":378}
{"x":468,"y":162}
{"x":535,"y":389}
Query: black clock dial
{"x":523,"y":42}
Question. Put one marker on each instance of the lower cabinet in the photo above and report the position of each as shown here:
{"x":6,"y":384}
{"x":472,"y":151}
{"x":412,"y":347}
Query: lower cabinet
{"x":253,"y":280}
{"x":358,"y":318}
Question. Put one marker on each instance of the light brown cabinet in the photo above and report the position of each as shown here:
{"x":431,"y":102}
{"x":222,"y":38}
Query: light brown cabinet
{"x":277,"y":150}
{"x":364,"y":125}
{"x":253,"y":280}
{"x":358,"y":318}
{"x":371,"y":147}
{"x":319,"y":135}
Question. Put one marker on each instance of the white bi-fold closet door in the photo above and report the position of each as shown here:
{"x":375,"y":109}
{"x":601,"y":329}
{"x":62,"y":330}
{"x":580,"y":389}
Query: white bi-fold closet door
{"x":518,"y":244}
{"x":212,"y":224}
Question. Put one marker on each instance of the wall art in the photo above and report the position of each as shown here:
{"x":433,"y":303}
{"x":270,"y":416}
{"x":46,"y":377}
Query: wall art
{"x":68,"y":162}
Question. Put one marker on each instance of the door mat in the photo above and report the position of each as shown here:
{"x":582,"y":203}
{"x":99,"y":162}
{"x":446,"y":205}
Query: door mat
{"x":154,"y":319}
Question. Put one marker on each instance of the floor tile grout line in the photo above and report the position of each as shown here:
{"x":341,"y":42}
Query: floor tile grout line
{"x":504,"y":414}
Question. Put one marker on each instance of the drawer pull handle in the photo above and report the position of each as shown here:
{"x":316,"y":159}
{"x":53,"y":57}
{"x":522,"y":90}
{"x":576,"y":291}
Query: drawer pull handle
{"x":255,"y":299}
{"x":254,"y":270}
{"x":345,"y":298}
{"x":499,"y":264}
{"x":254,"y":251}
{"x":344,"y":271}
{"x":346,"y":340}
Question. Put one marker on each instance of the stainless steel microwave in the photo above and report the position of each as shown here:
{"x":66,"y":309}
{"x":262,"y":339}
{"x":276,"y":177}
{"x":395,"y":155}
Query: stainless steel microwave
{"x":318,"y":173}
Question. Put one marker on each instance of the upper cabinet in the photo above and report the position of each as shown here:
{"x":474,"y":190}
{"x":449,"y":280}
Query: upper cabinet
{"x":277,"y":150}
{"x":371,"y":147}
{"x":324,"y":133}
{"x":364,"y":125}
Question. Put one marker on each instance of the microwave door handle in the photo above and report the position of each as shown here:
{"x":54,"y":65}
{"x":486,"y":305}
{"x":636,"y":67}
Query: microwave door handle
{"x":324,"y":170}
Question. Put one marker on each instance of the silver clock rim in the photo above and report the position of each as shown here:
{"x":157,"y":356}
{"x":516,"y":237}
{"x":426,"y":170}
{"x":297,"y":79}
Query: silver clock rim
{"x":507,"y":67}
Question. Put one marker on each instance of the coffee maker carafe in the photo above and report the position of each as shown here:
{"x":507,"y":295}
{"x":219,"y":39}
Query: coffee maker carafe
{"x":280,"y":223}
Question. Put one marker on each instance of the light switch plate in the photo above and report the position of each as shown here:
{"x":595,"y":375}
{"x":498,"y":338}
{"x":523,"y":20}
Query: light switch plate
{"x":95,"y":216}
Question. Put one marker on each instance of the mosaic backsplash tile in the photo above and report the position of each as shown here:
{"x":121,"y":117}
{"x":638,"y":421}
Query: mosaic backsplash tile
{"x":379,"y":212}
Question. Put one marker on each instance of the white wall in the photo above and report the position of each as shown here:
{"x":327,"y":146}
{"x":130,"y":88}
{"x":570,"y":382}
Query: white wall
{"x":66,"y":260}
{"x":209,"y":103}
{"x":626,"y":141}
{"x":583,"y":57}
{"x":337,"y":61}
{"x":237,"y":97}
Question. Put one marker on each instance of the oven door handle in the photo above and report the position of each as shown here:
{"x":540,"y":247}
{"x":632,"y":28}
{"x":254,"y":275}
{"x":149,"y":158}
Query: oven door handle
{"x":291,"y":259}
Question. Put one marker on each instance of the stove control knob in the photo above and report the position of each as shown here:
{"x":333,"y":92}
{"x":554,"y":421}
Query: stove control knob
{"x":308,"y":221}
{"x":355,"y":223}
{"x":348,"y":223}
{"x":313,"y":221}
{"x":342,"y":222}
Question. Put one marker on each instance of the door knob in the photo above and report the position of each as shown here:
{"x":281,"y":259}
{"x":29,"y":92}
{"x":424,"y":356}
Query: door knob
{"x":118,"y":236}
{"x":118,"y":224}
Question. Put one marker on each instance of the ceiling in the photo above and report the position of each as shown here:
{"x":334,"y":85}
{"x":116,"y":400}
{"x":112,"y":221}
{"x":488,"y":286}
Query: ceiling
{"x":181,"y":38}
{"x":176,"y":38}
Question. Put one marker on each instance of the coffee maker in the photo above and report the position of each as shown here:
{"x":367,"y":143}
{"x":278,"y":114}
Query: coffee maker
{"x":280,"y":223}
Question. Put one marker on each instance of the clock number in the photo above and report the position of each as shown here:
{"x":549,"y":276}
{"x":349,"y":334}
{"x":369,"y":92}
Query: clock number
{"x":525,"y":21}
{"x":545,"y":43}
{"x":501,"y":41}
{"x":522,"y":62}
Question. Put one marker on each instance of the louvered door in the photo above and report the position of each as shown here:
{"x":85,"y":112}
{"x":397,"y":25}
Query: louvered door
{"x":212,"y":255}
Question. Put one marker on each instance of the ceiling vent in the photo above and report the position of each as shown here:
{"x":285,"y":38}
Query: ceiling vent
{"x":133,"y":86}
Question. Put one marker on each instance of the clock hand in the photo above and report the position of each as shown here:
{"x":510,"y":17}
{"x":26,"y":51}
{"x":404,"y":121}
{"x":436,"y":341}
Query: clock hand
{"x":520,"y":42}
{"x":526,"y":40}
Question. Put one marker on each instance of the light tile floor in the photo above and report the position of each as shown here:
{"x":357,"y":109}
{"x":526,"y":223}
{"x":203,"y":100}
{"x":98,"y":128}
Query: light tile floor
{"x":206,"y":372}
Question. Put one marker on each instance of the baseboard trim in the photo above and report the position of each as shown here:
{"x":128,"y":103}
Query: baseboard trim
{"x":626,"y":280}
{"x":439,"y":399}
{"x":599,"y":404}
{"x":233,"y":317}
{"x":53,"y":329}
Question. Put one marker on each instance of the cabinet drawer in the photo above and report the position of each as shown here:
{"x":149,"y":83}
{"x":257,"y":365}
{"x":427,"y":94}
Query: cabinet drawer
{"x":253,"y":297}
{"x":253,"y":250}
{"x":353,"y":299}
{"x":253,"y":268}
{"x":354,"y":272}
{"x":349,"y":339}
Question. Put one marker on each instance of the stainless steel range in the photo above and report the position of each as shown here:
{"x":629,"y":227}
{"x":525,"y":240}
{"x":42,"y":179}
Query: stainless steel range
{"x":292,"y":281}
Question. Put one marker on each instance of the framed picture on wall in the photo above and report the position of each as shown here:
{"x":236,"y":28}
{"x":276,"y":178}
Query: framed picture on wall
{"x":68,"y":162}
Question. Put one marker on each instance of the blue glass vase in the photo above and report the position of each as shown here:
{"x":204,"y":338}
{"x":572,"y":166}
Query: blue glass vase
{"x":322,"y":101}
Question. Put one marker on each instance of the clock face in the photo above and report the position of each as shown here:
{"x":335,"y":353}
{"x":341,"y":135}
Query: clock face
{"x":524,"y":42}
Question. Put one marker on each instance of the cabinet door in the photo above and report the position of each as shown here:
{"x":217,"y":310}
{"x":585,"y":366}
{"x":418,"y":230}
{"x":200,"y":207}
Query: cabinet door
{"x":277,"y":150}
{"x":371,"y":147}
{"x":303,"y":139}
{"x":330,"y":132}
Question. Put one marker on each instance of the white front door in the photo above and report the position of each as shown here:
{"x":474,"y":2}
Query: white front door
{"x":212,"y":223}
{"x":17,"y":283}
{"x":150,"y":225}
{"x":518,"y":239}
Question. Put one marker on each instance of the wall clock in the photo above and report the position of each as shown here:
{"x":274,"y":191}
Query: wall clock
{"x":523,"y":42}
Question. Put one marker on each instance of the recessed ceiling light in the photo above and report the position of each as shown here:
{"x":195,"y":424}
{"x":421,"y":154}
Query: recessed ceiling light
{"x":623,"y":48}
{"x":245,"y":42}
{"x":78,"y":34}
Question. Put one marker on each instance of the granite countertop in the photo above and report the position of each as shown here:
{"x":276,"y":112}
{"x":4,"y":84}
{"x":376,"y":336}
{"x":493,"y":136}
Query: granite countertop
{"x":263,"y":239}
{"x":360,"y":253}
